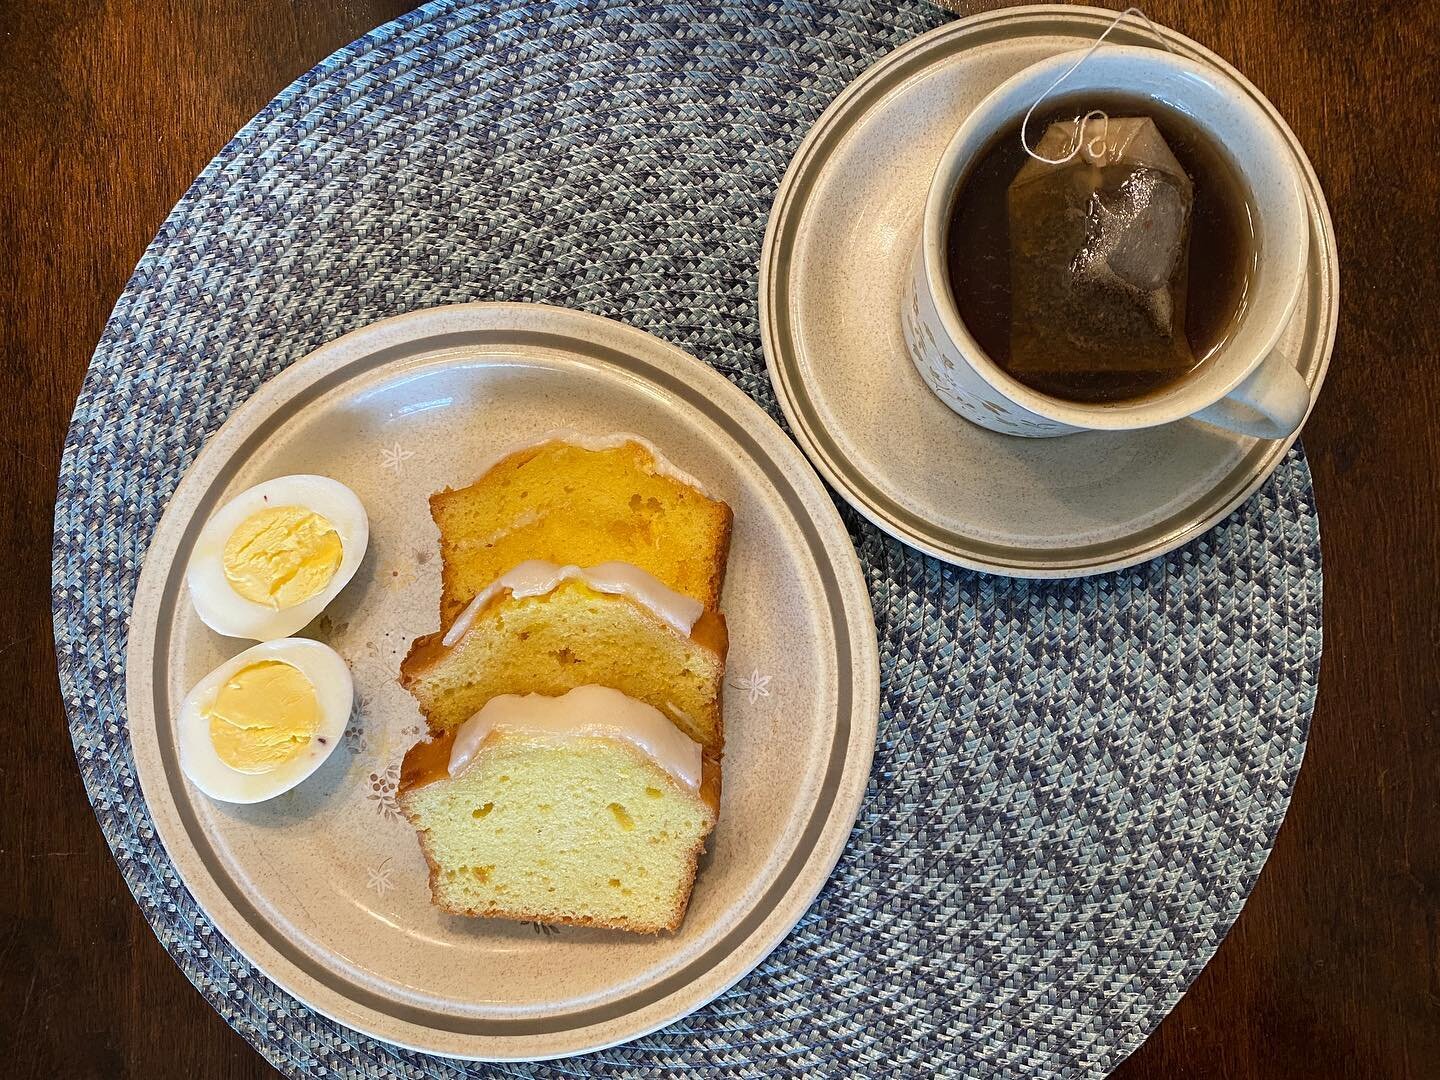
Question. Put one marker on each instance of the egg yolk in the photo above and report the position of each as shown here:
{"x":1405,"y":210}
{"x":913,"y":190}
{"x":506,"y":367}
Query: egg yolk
{"x":282,"y":556}
{"x":263,"y":716}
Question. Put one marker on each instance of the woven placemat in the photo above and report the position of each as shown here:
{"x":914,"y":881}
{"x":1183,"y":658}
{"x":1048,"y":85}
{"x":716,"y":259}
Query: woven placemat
{"x":1075,"y":784}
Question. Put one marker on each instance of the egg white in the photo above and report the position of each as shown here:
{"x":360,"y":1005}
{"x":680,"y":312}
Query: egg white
{"x":227,"y":612}
{"x":334,"y":689}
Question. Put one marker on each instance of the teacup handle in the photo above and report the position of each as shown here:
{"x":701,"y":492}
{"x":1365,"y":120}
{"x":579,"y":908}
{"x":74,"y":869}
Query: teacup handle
{"x":1269,"y":404}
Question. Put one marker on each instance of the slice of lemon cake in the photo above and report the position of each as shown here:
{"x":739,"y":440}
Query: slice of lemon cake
{"x":543,"y":628}
{"x":580,"y":499}
{"x":588,"y":809}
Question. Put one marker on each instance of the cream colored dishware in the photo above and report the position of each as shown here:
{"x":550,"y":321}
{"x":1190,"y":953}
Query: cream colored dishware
{"x":324,"y":888}
{"x":834,"y":276}
{"x":1249,"y":385}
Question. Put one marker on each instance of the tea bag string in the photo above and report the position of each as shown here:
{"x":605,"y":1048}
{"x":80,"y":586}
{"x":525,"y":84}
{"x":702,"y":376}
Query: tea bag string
{"x":1096,"y":146}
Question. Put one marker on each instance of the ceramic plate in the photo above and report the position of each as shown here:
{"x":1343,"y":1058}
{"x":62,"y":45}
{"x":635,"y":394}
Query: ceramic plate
{"x":324,"y":889}
{"x":846,"y":221}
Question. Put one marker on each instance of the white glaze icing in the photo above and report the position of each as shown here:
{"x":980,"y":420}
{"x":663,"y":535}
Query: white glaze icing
{"x":585,"y":712}
{"x":662,"y":465}
{"x":536,"y":577}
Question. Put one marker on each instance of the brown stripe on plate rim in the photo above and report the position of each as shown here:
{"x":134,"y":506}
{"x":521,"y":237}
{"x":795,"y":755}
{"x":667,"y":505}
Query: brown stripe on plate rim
{"x":378,"y":1002}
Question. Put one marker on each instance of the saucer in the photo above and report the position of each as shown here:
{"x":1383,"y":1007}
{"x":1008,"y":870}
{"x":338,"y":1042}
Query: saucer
{"x":845,"y":224}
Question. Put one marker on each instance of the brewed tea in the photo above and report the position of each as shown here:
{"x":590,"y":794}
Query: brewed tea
{"x":1071,"y":296}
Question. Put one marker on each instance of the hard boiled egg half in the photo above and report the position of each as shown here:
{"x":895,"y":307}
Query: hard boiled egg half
{"x":264,"y":720}
{"x":275,"y":555}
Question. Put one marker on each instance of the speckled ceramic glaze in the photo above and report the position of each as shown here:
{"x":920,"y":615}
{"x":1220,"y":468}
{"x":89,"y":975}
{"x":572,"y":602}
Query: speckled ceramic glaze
{"x":324,"y":888}
{"x":838,"y":302}
{"x":1248,"y":386}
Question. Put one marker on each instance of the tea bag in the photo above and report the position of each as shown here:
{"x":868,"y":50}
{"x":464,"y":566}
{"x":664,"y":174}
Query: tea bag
{"x":1099,"y":250}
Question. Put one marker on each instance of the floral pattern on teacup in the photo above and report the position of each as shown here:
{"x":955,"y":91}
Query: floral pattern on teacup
{"x":946,"y":371}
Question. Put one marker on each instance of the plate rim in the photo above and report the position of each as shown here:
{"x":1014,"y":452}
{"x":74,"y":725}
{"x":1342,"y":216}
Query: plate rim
{"x":851,"y":753}
{"x":806,"y":165}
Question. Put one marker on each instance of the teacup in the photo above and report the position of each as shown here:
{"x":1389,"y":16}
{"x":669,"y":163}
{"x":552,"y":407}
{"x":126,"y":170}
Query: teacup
{"x":1245,"y":386}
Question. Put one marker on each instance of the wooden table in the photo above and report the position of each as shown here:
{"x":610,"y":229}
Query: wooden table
{"x":1333,"y":970}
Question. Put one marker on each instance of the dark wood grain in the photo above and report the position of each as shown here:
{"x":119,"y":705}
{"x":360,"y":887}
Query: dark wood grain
{"x":108,"y":110}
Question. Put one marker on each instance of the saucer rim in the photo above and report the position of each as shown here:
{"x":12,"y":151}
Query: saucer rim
{"x":889,"y":75}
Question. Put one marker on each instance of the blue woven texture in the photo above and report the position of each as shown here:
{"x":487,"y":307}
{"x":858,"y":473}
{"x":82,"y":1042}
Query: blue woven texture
{"x":1075,"y":783}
